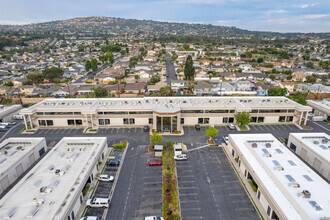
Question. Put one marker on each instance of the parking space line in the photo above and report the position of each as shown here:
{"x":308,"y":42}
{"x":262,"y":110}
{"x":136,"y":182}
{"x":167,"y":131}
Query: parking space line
{"x":64,"y":130}
{"x":259,"y":126}
{"x":289,"y":127}
{"x":189,"y":201}
{"x":41,"y":130}
{"x":187,"y":187}
{"x":283,"y":127}
{"x":52,"y":131}
{"x":266,"y":127}
{"x":272,"y":127}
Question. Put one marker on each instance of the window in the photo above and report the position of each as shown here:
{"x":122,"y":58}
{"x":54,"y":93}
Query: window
{"x":78,"y":122}
{"x":200,"y":120}
{"x":293,"y":147}
{"x":50,"y":122}
{"x":245,"y":172}
{"x":274,"y":216}
{"x":42,"y":123}
{"x":225,"y":120}
{"x":268,"y":210}
{"x":41,"y":151}
{"x":70,"y":122}
{"x":203,"y":120}
{"x":77,"y":113}
{"x":291,"y":111}
{"x":232,"y":111}
{"x":216,"y":111}
{"x":127,"y":121}
{"x":192,"y":111}
{"x":281,"y":119}
{"x":254,"y":111}
{"x":239,"y":163}
{"x":115,"y":113}
{"x":206,"y":120}
{"x":132,"y":121}
{"x":259,"y":193}
{"x":231,"y":120}
{"x":40,"y":113}
{"x":253,"y":119}
{"x":182,"y":121}
{"x":233,"y":153}
{"x":289,"y":118}
{"x":261,"y":119}
{"x":140,"y":113}
{"x":101,"y":121}
{"x":104,"y":121}
{"x":151,"y":121}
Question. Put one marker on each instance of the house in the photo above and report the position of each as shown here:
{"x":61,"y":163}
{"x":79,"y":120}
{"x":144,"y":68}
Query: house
{"x":178,"y":85}
{"x":223,"y":87}
{"x":135,"y":88}
{"x":243,"y":86}
{"x":290,"y":86}
{"x":315,"y":88}
{"x":114,"y":89}
{"x":156,"y":87}
{"x":204,"y":88}
{"x":299,"y":76}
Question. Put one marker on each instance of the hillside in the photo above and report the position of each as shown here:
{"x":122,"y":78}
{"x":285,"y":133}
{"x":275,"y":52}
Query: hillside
{"x":99,"y":26}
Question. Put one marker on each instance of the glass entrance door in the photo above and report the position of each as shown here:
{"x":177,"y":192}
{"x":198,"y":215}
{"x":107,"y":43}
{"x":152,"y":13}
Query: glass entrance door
{"x":166,"y":124}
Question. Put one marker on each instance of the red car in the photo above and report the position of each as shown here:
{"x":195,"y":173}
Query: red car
{"x":155,"y":163}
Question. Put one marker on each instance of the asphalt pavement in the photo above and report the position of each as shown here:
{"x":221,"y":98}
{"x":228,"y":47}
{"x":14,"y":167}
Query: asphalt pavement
{"x":170,"y":70}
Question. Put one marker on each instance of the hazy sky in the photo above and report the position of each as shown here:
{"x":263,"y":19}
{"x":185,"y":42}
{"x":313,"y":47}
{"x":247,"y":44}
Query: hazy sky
{"x":267,"y":15}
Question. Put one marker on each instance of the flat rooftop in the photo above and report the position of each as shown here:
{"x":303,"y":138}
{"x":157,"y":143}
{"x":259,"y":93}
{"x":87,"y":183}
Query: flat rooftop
{"x":323,"y":105}
{"x":8,"y":109}
{"x":74,"y":157}
{"x":12,"y":150}
{"x":284,"y":176}
{"x":164,"y":104}
{"x":316,"y":142}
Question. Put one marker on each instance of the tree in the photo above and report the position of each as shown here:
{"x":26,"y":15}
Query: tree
{"x":243,"y":118}
{"x":289,"y":77}
{"x":100,"y":92}
{"x":111,"y":48}
{"x":277,"y":91}
{"x":81,"y":48}
{"x":35,"y":78}
{"x":88,"y":65}
{"x":311,"y":79}
{"x":191,"y":86}
{"x":97,"y":44}
{"x":165,"y":91}
{"x":310,"y":65}
{"x":211,"y":132}
{"x":9,"y":83}
{"x":53,"y":73}
{"x":272,"y":77}
{"x":156,"y":138}
{"x":189,"y":69}
{"x":248,"y":54}
{"x":260,"y":60}
{"x":94,"y":66}
{"x":133,"y":61}
{"x":127,"y":50}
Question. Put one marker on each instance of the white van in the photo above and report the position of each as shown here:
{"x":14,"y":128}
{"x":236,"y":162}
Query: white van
{"x":98,"y":202}
{"x":20,"y":117}
{"x":3,"y":128}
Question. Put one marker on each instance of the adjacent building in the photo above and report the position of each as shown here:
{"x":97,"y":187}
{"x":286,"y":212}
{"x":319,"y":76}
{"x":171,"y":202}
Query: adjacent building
{"x":282,"y":185}
{"x":320,"y":108}
{"x":17,"y":155}
{"x":313,"y":148}
{"x":164,"y":114}
{"x":7,"y":112}
{"x":53,"y":188}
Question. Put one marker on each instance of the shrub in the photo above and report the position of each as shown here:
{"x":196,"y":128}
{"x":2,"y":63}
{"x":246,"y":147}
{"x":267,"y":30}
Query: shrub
{"x":253,"y":186}
{"x":85,"y":191}
{"x":118,"y":146}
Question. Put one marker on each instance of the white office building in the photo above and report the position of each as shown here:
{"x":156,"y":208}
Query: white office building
{"x":7,"y":112}
{"x":16,"y":156}
{"x":285,"y":187}
{"x":53,"y":188}
{"x":313,"y":148}
{"x":163,"y":114}
{"x":320,"y":108}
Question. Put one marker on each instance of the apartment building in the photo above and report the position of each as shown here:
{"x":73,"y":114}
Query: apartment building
{"x":16,"y":156}
{"x":313,"y":148}
{"x":53,"y":188}
{"x":164,"y":114}
{"x":282,"y":185}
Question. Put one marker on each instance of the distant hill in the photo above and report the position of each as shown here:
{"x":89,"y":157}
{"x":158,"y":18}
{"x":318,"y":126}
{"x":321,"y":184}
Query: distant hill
{"x":98,"y":26}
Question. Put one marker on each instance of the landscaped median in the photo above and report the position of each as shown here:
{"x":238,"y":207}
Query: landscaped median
{"x":170,"y":194}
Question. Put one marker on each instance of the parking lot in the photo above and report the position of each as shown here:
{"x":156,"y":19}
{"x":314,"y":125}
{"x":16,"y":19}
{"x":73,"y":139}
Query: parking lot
{"x":138,"y":191}
{"x":210,"y":189}
{"x":103,"y":188}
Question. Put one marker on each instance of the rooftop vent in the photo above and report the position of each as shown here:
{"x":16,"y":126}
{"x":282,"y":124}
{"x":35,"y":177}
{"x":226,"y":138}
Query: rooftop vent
{"x":324,"y":140}
{"x":268,"y":155}
{"x":38,"y":202}
{"x":280,"y":168}
{"x":32,"y":212}
{"x":20,"y":148}
{"x":10,"y":212}
{"x":45,"y":189}
{"x":254,"y":145}
{"x":268,"y":145}
{"x":306,"y":194}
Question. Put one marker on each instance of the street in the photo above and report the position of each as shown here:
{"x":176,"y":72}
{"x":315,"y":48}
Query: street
{"x":170,"y":70}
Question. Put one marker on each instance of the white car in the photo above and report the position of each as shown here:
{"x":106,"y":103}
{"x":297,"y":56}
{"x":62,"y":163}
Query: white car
{"x":231,"y":127}
{"x":225,"y":139}
{"x":98,"y":203}
{"x":180,"y":157}
{"x":90,"y":218}
{"x":153,"y":218}
{"x":106,"y":178}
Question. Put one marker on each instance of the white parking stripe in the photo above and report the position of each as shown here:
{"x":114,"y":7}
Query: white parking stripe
{"x":260,"y":127}
{"x":266,"y":127}
{"x":272,"y":127}
{"x":283,"y":127}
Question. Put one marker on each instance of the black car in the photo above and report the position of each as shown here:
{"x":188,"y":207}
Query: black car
{"x":113,"y":163}
{"x":198,"y":127}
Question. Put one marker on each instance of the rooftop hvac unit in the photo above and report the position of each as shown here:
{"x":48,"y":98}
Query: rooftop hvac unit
{"x":324,"y":140}
{"x":254,"y":145}
{"x":45,"y":189}
{"x":268,"y":145}
{"x":20,"y":148}
{"x":280,"y":168}
{"x":306,"y":194}
{"x":295,"y":185}
{"x":38,"y":202}
{"x":268,"y":155}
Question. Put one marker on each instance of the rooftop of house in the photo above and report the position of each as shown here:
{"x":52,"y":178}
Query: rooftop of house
{"x":12,"y":150}
{"x":284,"y":176}
{"x":42,"y":194}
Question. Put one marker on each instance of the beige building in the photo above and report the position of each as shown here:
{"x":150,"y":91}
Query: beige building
{"x":164,"y":114}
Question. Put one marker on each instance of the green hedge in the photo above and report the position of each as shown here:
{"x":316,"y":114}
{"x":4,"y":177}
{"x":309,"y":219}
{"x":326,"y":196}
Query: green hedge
{"x":254,"y":187}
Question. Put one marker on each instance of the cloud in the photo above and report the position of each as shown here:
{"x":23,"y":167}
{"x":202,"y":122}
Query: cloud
{"x":192,"y":2}
{"x":227,"y":21}
{"x":315,"y":16}
{"x":306,"y":5}
{"x":281,"y":11}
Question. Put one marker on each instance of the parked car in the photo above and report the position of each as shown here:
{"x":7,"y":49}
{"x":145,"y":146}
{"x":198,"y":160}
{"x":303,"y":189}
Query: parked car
{"x":12,"y":123}
{"x":113,"y":163}
{"x":146,"y":128}
{"x":155,"y":163}
{"x":231,"y":127}
{"x":198,"y":127}
{"x":225,"y":139}
{"x":3,"y":128}
{"x":98,"y":202}
{"x":106,"y":178}
{"x":153,"y":218}
{"x":90,"y":218}
{"x":180,"y":157}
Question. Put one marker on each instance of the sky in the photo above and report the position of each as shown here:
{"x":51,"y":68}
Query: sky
{"x":260,"y":15}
